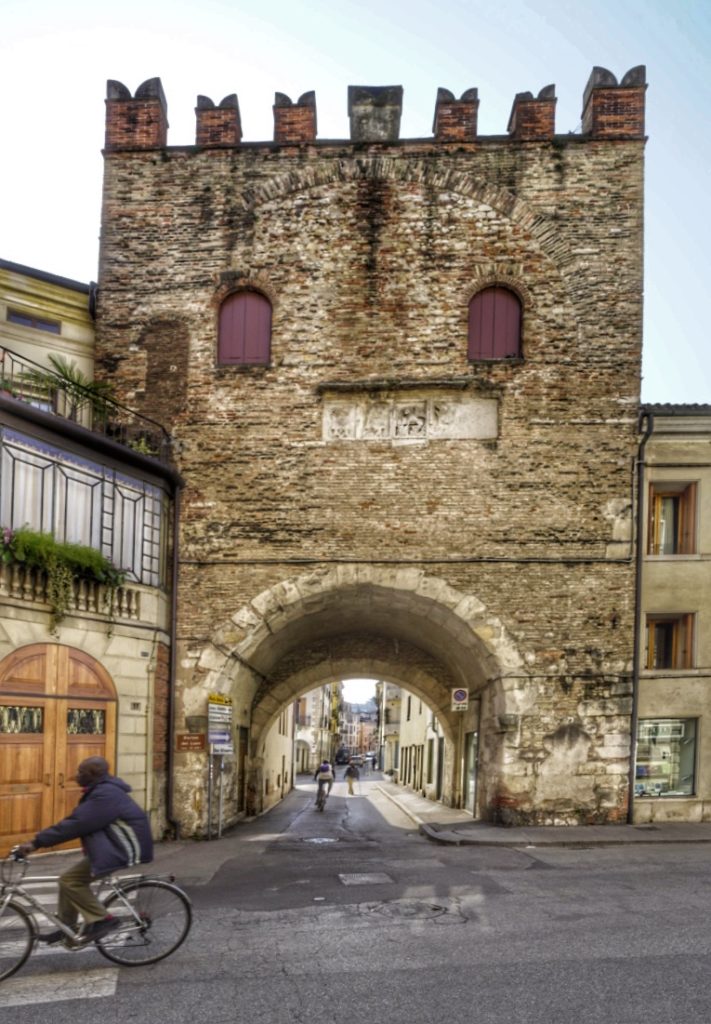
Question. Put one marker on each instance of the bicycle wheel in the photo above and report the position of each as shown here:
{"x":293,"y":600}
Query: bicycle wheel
{"x":17,"y":936}
{"x":155,"y":919}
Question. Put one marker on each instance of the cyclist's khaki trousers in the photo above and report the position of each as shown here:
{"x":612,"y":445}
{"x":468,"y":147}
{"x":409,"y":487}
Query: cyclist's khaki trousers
{"x":76,"y":896}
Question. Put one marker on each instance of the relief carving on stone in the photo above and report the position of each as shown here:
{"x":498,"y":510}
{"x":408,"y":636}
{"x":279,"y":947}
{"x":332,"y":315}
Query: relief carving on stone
{"x":419,"y":419}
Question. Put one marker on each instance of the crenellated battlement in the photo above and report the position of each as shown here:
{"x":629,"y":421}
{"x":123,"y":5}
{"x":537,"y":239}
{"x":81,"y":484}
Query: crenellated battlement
{"x":612,"y":110}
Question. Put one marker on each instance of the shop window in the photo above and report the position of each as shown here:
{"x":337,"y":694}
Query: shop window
{"x":672,"y":519}
{"x":666,"y":757}
{"x":669,"y":641}
{"x":494,"y":325}
{"x":245,"y":330}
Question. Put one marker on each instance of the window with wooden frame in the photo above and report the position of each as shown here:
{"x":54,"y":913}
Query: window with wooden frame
{"x":672,"y":519}
{"x":670,"y":641}
{"x":494,"y":325}
{"x":245,"y":330}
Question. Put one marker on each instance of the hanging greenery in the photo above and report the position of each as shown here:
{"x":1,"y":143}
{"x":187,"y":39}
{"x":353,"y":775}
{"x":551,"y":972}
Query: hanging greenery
{"x":63,"y":564}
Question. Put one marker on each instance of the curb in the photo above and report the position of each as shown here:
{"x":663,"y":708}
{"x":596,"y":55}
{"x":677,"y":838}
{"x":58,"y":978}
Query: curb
{"x":449,"y":838}
{"x":398,"y":803}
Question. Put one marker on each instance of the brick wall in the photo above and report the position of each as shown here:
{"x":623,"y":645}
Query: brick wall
{"x":369,"y":255}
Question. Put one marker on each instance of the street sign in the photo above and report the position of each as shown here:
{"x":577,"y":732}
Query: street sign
{"x":190,"y":742}
{"x":460,"y":700}
{"x":219,"y":724}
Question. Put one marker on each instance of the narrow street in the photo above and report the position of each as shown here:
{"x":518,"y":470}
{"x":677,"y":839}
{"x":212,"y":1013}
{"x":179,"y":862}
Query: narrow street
{"x":353,"y":915}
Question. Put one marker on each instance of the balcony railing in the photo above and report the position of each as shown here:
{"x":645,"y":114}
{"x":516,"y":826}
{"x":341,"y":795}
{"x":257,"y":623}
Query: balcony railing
{"x":84,"y":404}
{"x":30,"y":584}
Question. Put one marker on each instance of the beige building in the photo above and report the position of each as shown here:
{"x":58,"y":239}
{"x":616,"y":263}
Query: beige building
{"x":85,"y":655}
{"x":673,"y":716}
{"x":317,"y":727}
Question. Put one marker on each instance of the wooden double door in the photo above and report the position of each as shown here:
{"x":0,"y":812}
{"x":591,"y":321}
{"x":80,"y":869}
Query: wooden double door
{"x":57,"y":707}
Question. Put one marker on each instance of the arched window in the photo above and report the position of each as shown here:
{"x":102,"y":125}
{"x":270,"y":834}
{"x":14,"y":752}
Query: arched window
{"x":494,"y":324}
{"x":245,"y":330}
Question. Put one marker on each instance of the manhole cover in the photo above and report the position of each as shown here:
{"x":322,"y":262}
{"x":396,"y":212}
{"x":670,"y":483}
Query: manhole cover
{"x":376,"y":878}
{"x":319,"y":840}
{"x":409,"y":909}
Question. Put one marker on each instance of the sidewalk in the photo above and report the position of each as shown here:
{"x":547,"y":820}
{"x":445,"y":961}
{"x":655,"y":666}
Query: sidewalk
{"x":445,"y":825}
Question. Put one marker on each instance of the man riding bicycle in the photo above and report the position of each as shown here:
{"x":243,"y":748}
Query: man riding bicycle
{"x":324,"y":776}
{"x":114,"y":832}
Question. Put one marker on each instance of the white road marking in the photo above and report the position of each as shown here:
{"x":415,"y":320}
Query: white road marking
{"x":54,"y":988}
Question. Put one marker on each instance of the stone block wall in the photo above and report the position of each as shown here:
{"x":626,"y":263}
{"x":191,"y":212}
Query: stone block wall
{"x":369,"y":251}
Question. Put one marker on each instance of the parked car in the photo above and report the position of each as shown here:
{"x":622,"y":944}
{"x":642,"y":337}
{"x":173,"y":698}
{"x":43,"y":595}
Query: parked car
{"x":356,"y":760}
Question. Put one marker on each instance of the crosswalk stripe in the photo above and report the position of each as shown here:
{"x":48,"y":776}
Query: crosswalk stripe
{"x":59,"y":987}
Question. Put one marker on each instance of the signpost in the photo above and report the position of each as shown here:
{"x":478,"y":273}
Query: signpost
{"x":460,"y":699}
{"x":221,"y":742}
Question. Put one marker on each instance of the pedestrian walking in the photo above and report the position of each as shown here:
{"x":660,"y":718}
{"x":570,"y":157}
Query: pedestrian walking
{"x":351,"y":775}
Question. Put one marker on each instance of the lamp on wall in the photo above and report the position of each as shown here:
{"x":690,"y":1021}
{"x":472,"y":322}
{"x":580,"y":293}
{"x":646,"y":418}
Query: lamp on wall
{"x":196,"y":723}
{"x":507,"y":723}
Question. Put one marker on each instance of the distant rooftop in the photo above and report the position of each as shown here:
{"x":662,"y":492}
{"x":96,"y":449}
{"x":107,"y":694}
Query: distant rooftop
{"x":670,"y":409}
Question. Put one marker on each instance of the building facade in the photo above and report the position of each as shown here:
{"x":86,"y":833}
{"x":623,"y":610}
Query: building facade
{"x":318,"y":727}
{"x":85,"y":655}
{"x":401,"y":379}
{"x":673,"y":761}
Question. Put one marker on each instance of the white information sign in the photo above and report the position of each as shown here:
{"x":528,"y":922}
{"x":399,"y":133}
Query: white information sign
{"x":460,"y":700}
{"x":219,"y":724}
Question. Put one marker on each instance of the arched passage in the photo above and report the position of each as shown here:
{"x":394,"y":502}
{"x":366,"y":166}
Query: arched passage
{"x":403,"y":625}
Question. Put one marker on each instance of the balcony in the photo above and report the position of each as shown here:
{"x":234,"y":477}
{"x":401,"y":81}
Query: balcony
{"x":20,"y":585}
{"x":67,"y":395}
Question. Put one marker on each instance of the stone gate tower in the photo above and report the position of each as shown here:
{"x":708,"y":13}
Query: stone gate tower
{"x":402,"y":380}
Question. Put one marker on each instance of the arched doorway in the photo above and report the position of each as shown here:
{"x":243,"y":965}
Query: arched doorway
{"x":57,"y":707}
{"x":406,"y":627}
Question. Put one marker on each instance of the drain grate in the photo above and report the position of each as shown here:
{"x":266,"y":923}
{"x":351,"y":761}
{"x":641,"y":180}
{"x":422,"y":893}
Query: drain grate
{"x":319,"y":840}
{"x":410,"y":909}
{"x":376,"y":878}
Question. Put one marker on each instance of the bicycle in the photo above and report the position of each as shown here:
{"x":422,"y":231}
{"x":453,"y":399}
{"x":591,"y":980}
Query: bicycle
{"x":155,"y":917}
{"x":321,"y":797}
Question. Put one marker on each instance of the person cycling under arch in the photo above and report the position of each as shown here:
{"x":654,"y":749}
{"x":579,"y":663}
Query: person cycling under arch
{"x":325,"y":777}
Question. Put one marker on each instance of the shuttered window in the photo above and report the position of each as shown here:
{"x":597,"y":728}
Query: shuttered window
{"x":494,"y":325}
{"x":245,"y":330}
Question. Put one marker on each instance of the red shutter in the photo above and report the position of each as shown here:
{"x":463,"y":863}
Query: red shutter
{"x":494,"y":325}
{"x":245,"y":329}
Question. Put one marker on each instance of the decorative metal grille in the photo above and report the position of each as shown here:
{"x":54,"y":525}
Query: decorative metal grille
{"x":19,"y":719}
{"x":86,"y":722}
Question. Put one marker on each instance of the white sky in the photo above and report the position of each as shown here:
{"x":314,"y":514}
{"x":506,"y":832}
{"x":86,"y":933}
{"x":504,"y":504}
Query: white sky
{"x":358,"y":691}
{"x":55,"y":59}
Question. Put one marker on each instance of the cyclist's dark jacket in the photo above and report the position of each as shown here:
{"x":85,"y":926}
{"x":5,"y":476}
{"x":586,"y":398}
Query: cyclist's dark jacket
{"x":113,"y":829}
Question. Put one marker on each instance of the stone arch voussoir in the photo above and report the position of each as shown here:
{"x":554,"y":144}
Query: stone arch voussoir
{"x":236,"y":649}
{"x":425,"y":174}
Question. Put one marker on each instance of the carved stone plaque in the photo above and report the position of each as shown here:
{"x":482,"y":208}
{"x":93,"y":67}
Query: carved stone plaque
{"x":412,"y":419}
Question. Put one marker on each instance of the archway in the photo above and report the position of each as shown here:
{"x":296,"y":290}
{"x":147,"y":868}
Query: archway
{"x":57,"y":707}
{"x":401,"y":625}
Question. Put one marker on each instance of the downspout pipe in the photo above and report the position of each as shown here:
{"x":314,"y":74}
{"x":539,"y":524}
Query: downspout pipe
{"x":172,"y":681}
{"x":646,"y":428}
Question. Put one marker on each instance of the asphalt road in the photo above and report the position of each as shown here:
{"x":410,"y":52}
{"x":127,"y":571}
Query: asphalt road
{"x":352,"y":916}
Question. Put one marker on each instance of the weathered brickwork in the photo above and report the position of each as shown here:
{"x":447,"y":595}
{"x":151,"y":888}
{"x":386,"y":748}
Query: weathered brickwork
{"x":506,"y":560}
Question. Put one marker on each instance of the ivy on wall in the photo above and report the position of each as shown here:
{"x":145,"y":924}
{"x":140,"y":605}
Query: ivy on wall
{"x":63,"y":563}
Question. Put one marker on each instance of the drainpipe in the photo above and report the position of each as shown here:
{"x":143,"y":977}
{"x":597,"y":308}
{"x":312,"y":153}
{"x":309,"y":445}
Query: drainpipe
{"x":648,"y":419}
{"x":172,"y":821}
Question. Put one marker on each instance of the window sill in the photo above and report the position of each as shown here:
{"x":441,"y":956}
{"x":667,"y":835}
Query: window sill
{"x":675,"y":558}
{"x":255,"y":369}
{"x":504,"y":361}
{"x":675,"y":673}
